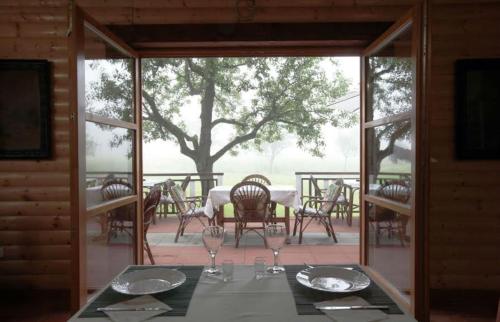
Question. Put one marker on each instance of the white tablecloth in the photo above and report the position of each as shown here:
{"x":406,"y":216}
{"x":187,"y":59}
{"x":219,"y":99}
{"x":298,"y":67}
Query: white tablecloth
{"x":218,"y":196}
{"x":244,"y":299}
{"x":355,"y":185}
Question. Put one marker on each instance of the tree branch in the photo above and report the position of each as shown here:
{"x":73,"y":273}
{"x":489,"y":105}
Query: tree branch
{"x":195,"y":68}
{"x":227,"y":121}
{"x":192,"y":89}
{"x":240,"y":139}
{"x":181,"y":136}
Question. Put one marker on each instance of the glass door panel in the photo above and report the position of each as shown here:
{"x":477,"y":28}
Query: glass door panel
{"x":110,"y":158}
{"x":388,"y":157}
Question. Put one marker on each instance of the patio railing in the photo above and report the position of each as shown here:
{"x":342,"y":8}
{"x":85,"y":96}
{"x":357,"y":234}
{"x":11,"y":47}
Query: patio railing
{"x":305,"y":187}
{"x":95,"y":178}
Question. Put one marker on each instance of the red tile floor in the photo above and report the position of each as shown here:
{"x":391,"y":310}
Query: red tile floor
{"x":323,"y":251}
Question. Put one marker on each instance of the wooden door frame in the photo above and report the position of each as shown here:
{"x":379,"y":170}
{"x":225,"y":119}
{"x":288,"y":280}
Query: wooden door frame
{"x":420,"y":283}
{"x":419,"y":199}
{"x":79,"y":20}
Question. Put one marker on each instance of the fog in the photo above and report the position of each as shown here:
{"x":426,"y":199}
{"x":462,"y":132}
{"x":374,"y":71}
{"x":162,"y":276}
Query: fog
{"x":341,"y":152}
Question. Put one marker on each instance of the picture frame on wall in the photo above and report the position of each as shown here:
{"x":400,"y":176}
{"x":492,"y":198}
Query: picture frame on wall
{"x":477,"y":100}
{"x":25,"y":109}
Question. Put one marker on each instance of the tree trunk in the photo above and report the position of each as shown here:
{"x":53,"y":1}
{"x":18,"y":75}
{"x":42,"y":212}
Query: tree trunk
{"x":205,"y":170}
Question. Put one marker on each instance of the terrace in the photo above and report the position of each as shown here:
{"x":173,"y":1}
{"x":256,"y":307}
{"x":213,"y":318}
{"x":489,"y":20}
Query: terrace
{"x":316,"y":248}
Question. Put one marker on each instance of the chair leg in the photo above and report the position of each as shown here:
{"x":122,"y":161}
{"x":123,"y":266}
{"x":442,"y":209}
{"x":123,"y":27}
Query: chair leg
{"x":300,"y":229}
{"x":400,"y":233}
{"x":148,"y":250}
{"x":237,"y":235}
{"x":295,"y":224}
{"x":331,"y":229}
{"x":377,"y":233}
{"x":181,"y":223}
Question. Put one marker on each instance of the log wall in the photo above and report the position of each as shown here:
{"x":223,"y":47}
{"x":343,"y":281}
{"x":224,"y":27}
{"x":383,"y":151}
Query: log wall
{"x":34,"y":195}
{"x":464,"y":213}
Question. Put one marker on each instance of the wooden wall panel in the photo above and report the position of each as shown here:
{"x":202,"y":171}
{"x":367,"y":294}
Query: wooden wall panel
{"x":226,"y":11}
{"x":34,"y":195}
{"x":464,"y":213}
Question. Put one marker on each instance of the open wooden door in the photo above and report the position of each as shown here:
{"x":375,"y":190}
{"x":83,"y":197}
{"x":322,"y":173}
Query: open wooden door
{"x":106,"y":176}
{"x":391,"y":141}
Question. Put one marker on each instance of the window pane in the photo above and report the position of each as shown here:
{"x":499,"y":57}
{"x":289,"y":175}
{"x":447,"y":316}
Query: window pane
{"x":109,"y":159}
{"x":389,"y":79}
{"x":389,"y":150}
{"x":109,"y":84}
{"x":389,"y":246}
{"x":110,"y":244}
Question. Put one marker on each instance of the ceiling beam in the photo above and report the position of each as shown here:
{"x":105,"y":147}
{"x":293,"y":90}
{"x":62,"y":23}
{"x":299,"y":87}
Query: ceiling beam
{"x":250,"y":35}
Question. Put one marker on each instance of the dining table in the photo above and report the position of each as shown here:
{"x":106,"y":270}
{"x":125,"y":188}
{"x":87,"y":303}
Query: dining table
{"x":218,"y":196}
{"x":273,"y":298}
{"x":352,"y":186}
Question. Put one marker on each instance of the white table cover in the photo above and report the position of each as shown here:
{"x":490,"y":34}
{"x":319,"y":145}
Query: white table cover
{"x":244,"y":299}
{"x":356,"y":185}
{"x":218,"y":196}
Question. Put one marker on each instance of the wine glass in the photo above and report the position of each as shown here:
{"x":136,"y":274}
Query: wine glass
{"x":212,"y":236}
{"x":275,"y":238}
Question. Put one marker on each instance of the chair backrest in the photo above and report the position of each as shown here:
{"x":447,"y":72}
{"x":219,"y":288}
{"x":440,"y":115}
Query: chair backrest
{"x":317,"y":190}
{"x":178,"y":196}
{"x":250,"y":201}
{"x":114,"y":189}
{"x":149,"y":212}
{"x":152,"y":198}
{"x":185,"y":183}
{"x":257,"y":178}
{"x":331,"y":196}
{"x":395,"y":190}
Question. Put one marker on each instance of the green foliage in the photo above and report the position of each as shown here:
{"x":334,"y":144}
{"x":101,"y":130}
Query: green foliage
{"x":256,"y":100}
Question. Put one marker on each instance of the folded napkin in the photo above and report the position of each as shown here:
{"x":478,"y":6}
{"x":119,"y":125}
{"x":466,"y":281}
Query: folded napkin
{"x":352,"y":315}
{"x":137,"y":316}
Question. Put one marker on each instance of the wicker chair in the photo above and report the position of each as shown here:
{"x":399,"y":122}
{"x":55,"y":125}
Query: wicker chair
{"x":118,"y":219}
{"x":167,"y":200}
{"x":266,"y":182}
{"x":150,"y":204}
{"x":187,"y":208}
{"x":319,"y":209}
{"x":251,"y":202}
{"x":342,"y":206}
{"x":389,"y":220}
{"x":258,"y":178}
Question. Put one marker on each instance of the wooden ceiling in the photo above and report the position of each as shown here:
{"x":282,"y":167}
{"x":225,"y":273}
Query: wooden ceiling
{"x":247,"y":27}
{"x":339,"y":35}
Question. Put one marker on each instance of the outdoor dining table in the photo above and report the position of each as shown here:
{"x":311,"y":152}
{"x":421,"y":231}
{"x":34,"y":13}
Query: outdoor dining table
{"x":218,"y":196}
{"x":353,"y":186}
{"x":270,"y":299}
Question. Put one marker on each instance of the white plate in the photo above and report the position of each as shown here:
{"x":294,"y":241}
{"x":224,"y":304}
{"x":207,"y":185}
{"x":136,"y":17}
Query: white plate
{"x":333,"y":279}
{"x":148,"y":281}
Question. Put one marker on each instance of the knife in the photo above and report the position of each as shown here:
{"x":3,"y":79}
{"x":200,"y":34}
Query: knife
{"x":352,"y":307}
{"x":116,"y":309}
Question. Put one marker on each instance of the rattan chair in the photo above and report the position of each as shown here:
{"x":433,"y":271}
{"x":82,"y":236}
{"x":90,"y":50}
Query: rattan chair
{"x":166,"y":201}
{"x":319,"y":209}
{"x":118,"y":219}
{"x":150,"y":204}
{"x":266,"y":182}
{"x":342,"y":206}
{"x":387,"y":219}
{"x":187,"y":208}
{"x":251,"y":201}
{"x":258,"y":178}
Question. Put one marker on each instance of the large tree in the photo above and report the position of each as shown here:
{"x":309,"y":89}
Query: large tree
{"x":389,"y":92}
{"x":253,"y":100}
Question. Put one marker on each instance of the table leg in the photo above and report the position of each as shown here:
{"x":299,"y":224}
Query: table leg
{"x":349,"y":211}
{"x":287,"y":224}
{"x":287,"y":220}
{"x":220,"y":216}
